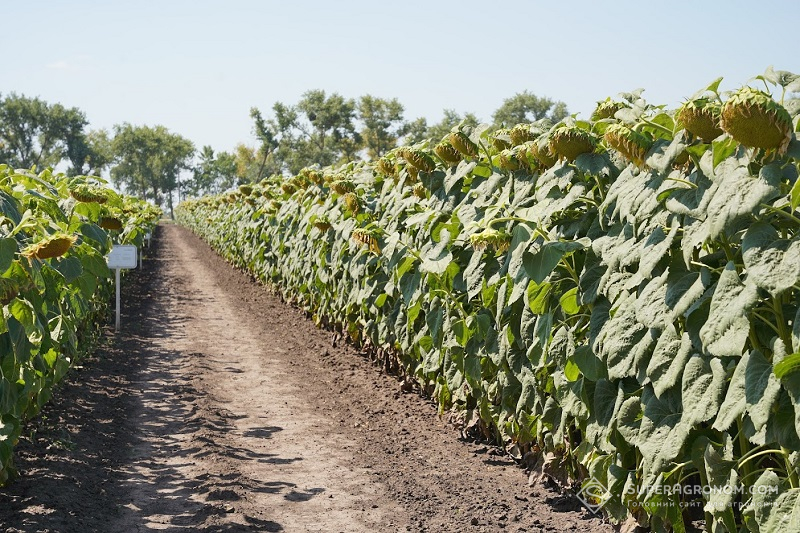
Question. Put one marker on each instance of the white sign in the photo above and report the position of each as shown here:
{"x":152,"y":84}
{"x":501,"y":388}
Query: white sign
{"x":122,"y":256}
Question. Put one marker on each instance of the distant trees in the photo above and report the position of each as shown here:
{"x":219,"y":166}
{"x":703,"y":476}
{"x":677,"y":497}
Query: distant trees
{"x":148,"y":161}
{"x":145,"y":161}
{"x":33,"y":132}
{"x":323,"y":129}
{"x":213,"y":173}
{"x":155,"y":164}
{"x":527,"y":107}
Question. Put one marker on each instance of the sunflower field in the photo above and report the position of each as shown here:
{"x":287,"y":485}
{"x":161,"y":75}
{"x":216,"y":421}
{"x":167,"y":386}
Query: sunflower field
{"x":55,"y":287}
{"x":616,"y":301}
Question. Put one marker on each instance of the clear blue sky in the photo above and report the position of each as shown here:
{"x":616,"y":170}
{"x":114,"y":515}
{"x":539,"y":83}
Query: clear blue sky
{"x":197,"y":66}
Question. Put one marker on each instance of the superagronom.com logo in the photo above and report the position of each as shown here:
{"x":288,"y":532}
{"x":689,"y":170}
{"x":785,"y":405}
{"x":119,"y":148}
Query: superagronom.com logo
{"x":593,"y":495}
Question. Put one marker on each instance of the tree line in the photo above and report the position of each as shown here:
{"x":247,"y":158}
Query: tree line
{"x":156,"y":164}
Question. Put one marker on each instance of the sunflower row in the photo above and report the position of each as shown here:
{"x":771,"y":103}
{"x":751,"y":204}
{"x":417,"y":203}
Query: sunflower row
{"x":606,"y":298}
{"x":54,"y":282}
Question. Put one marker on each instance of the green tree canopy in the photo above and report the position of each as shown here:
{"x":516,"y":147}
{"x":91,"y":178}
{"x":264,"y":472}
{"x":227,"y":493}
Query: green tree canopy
{"x":148,"y":161}
{"x":527,"y":107}
{"x":383,"y":124}
{"x":89,"y":153}
{"x":33,"y":132}
{"x":213,"y":174}
{"x":450,"y":119}
{"x":415,"y":131}
{"x":319,"y":130}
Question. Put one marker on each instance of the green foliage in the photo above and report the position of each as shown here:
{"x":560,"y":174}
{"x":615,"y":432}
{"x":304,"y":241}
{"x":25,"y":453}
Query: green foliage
{"x":213,"y":174}
{"x":637,"y":321}
{"x":35,"y":133}
{"x":527,"y":107}
{"x":148,"y":161}
{"x":383,"y":124}
{"x":54,"y":283}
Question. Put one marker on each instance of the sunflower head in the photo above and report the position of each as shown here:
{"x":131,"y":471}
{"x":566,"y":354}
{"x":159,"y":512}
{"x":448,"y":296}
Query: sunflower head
{"x":631,"y":144}
{"x":569,"y":142}
{"x":755,"y":120}
{"x":55,"y":245}
{"x":701,"y":118}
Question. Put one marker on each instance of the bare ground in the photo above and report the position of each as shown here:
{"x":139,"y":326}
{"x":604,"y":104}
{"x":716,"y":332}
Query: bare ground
{"x":220,"y":408}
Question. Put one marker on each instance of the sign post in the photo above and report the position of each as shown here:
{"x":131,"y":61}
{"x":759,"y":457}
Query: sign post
{"x":121,"y":256}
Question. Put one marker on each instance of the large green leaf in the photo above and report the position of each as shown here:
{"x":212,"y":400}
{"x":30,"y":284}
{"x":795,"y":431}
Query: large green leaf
{"x":703,"y":387}
{"x":608,"y":399}
{"x":728,"y":326}
{"x":8,"y":249}
{"x":735,"y":401}
{"x":436,"y":256}
{"x":684,"y":289}
{"x":589,"y":364}
{"x":663,"y":431}
{"x":629,"y":420}
{"x":651,"y":308}
{"x":772,"y":263}
{"x":761,"y":389}
{"x":617,"y":339}
{"x":739,"y":194}
{"x":669,"y":358}
{"x":796,"y":331}
{"x":773,"y":507}
{"x":723,"y":480}
{"x":541,"y":263}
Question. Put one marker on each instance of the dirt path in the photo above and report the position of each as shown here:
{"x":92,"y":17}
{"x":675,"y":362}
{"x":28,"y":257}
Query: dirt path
{"x":219,"y":408}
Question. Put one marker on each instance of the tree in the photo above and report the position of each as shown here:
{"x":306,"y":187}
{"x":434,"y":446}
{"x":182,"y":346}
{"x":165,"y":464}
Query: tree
{"x":213,"y":174}
{"x":268,"y":136}
{"x":247,"y":164}
{"x":415,"y":131}
{"x":89,"y":153}
{"x":450,"y":119}
{"x":527,"y":107}
{"x":33,"y":132}
{"x":382,"y":123}
{"x":319,"y":130}
{"x":148,"y":161}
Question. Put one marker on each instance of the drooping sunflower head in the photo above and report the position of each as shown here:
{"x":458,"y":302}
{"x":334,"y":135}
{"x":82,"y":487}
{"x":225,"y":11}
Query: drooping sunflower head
{"x":701,"y":118}
{"x":315,"y":176}
{"x":463,"y":144}
{"x":343,"y":186}
{"x":368,"y":238}
{"x":569,"y":142}
{"x":631,"y":144}
{"x":448,"y":153}
{"x":353,"y":202}
{"x":541,"y":152}
{"x":755,"y":120}
{"x":494,"y":239}
{"x":322,"y":224}
{"x":501,"y":139}
{"x":418,"y":159}
{"x":514,"y":159}
{"x":85,"y":192}
{"x":522,"y":133}
{"x":607,"y":109}
{"x":55,"y":245}
{"x":386,"y":167}
{"x":246,"y":190}
{"x":111,"y":223}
